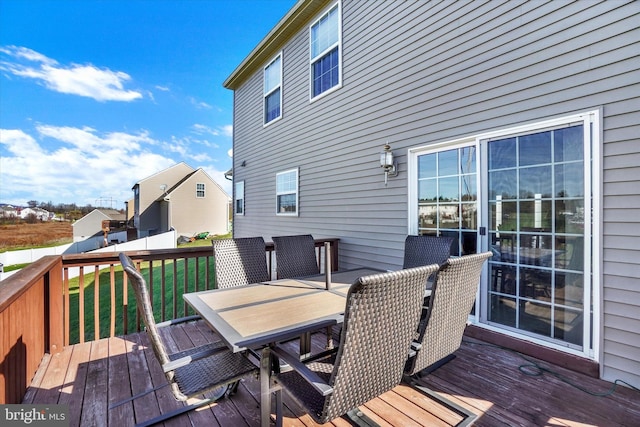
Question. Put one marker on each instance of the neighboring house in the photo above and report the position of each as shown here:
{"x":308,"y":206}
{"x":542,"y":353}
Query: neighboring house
{"x":515,"y":129}
{"x":8,"y":211}
{"x":40,"y":214}
{"x":180,"y":198}
{"x":91,"y":225}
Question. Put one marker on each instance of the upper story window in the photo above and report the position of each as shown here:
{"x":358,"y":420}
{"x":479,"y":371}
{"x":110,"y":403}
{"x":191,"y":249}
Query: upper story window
{"x":287,"y":192}
{"x":273,"y":90}
{"x":239,"y":198}
{"x":199,"y":190}
{"x":326,"y":59}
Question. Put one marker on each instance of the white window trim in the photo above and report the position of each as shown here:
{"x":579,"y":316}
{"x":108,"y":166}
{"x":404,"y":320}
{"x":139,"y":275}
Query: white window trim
{"x":264,"y":95}
{"x":297,"y":191}
{"x":338,"y":43}
{"x":236,"y":198}
{"x":593,"y":204}
{"x":204,"y":190}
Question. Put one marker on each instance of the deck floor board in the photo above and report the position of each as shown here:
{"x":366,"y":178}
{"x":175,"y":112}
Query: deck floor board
{"x":91,"y":377}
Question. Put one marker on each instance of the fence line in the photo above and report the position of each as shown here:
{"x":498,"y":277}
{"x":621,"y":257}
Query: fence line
{"x":159,"y":241}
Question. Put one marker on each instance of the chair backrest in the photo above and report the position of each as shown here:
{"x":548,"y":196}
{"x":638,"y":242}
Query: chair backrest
{"x":139,"y":285}
{"x":240,"y":261}
{"x":295,"y":256}
{"x":452,"y":298}
{"x":426,"y":250}
{"x":381,"y":316}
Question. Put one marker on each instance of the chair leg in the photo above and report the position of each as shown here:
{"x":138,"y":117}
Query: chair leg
{"x":469,"y":417}
{"x":132,"y":398}
{"x":360,"y":419}
{"x":175,"y":413}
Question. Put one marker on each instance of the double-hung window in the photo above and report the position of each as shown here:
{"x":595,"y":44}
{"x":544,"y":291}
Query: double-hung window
{"x":273,"y":90}
{"x":199,"y":190}
{"x":287,"y":192}
{"x":239,"y":198}
{"x":325,"y":50}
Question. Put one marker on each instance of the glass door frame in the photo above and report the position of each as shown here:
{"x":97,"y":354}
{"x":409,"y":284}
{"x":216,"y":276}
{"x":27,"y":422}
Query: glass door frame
{"x":592,"y":134}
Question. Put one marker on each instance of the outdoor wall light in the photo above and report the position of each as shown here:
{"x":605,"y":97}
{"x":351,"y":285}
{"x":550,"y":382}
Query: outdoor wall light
{"x":387,"y":163}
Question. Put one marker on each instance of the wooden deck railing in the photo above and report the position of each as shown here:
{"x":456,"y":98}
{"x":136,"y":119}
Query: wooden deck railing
{"x":30,"y":324}
{"x":62,"y":300}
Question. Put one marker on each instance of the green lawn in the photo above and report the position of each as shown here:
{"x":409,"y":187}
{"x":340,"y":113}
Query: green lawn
{"x":156,"y":288}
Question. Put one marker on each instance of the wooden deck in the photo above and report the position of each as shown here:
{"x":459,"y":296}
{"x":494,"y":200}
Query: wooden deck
{"x":485,"y":379}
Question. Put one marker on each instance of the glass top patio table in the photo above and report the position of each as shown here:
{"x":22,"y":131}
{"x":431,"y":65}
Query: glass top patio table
{"x":255,"y":315}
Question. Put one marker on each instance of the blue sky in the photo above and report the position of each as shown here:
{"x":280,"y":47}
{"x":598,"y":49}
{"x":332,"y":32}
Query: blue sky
{"x":96,"y":95}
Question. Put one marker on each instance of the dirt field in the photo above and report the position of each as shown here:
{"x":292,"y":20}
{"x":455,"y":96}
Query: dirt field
{"x":22,"y":236}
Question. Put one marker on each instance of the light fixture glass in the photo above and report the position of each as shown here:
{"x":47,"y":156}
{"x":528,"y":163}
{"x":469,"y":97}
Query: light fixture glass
{"x":387,"y":163}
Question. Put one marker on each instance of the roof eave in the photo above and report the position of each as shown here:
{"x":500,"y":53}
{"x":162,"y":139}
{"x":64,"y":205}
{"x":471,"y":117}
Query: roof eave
{"x":297,"y":17}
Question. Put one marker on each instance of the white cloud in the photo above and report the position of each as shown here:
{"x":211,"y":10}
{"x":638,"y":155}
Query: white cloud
{"x":66,"y":164}
{"x":200,"y":104}
{"x":17,"y":142}
{"x":202,"y":129}
{"x":85,"y":166}
{"x":100,"y":84}
{"x":225,"y":130}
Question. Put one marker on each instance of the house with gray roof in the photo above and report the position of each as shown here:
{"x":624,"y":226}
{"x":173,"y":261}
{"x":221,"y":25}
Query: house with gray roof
{"x":180,"y":198}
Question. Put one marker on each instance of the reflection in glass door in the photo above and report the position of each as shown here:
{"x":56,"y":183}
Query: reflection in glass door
{"x":536,"y":224}
{"x":447,"y":197}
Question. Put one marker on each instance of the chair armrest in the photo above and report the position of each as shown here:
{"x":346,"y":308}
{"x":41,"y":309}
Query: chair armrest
{"x":178,"y":321}
{"x":311,"y":377}
{"x":197,"y":355}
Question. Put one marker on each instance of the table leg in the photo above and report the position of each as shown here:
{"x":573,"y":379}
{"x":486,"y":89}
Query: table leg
{"x":265,"y":389}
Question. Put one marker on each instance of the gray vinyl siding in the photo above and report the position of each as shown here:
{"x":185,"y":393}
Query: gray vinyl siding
{"x":416,"y":73}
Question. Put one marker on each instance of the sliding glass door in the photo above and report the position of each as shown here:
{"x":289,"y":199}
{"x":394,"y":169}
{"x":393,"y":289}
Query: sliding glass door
{"x":536,"y":200}
{"x":525,"y":195}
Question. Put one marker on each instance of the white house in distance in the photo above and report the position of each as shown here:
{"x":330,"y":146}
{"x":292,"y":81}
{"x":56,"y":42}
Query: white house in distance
{"x":181,"y":198}
{"x":514,"y":127}
{"x":39,"y":213}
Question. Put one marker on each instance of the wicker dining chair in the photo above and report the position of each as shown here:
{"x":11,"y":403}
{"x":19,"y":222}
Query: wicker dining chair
{"x":208,"y":368}
{"x":426,"y":250}
{"x":381,"y":315}
{"x":295,"y":256}
{"x":452,"y":298}
{"x":240,"y":261}
{"x":440,"y":332}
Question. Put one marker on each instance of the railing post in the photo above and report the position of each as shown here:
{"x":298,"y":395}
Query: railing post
{"x":55,"y":308}
{"x":334,"y":255}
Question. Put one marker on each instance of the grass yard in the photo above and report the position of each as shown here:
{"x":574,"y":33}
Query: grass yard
{"x":104,"y":297}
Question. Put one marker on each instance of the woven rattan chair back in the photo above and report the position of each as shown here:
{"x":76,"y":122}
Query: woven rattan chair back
{"x":426,"y":250}
{"x":139,"y":285}
{"x":381,"y":316}
{"x":295,"y":256}
{"x":210,"y":368}
{"x":240,"y":261}
{"x":453,"y":294}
